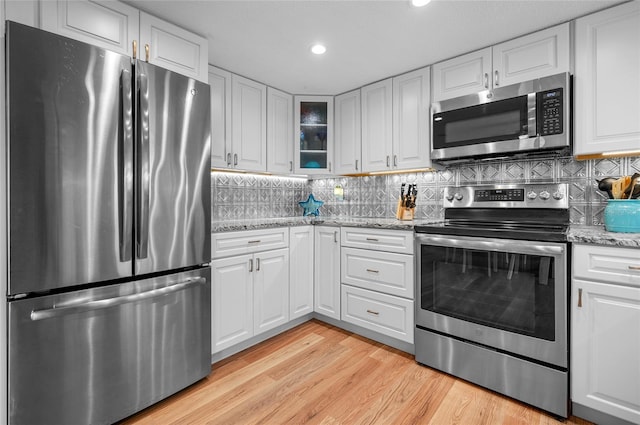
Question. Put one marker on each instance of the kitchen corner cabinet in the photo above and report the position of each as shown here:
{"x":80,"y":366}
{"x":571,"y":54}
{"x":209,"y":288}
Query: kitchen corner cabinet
{"x":279,"y":131}
{"x":114,"y":26}
{"x":605,"y":330}
{"x":348,"y":142}
{"x":326,"y":271}
{"x":248,"y":125}
{"x":535,"y":55}
{"x":377,"y":126}
{"x":249,"y":286}
{"x":313,"y":134}
{"x":607,"y":87}
{"x":220,"y":90}
{"x":301,"y":269}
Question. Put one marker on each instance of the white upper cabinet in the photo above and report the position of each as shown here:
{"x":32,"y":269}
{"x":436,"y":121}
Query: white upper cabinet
{"x":525,"y":58}
{"x":220,"y":88}
{"x":411,"y":119}
{"x":249,"y":124}
{"x":279,"y":131}
{"x":377,"y":125}
{"x":607,"y":82}
{"x":173,"y":48}
{"x":347,"y":133}
{"x":115,"y":26}
{"x":109,"y":24}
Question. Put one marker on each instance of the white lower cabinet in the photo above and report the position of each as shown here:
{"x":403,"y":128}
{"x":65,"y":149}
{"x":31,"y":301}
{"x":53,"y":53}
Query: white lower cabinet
{"x":605,"y":330}
{"x":249,"y":292}
{"x":301,"y":268}
{"x":326,"y":271}
{"x":377,"y":276}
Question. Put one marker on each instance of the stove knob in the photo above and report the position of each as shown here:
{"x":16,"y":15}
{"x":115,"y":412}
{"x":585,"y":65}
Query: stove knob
{"x":458,"y":196}
{"x":558,"y":195}
{"x":449,"y":197}
{"x":544,"y":195}
{"x":532,"y":195}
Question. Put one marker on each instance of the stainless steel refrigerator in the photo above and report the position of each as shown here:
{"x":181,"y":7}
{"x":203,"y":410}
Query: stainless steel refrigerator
{"x":109,"y":231}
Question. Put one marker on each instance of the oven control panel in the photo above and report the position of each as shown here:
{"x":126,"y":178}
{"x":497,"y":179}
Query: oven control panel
{"x":551,"y":195}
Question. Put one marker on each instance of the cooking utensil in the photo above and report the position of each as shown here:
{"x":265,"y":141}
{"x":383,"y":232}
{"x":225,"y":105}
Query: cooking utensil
{"x":605,"y":185}
{"x":633,"y":190}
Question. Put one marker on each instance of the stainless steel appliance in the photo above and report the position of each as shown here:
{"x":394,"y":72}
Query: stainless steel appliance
{"x":492,"y":291}
{"x":530,"y":117}
{"x":109,"y":231}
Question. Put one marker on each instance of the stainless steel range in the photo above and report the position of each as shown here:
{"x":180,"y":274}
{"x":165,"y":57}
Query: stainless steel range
{"x":492,"y":291}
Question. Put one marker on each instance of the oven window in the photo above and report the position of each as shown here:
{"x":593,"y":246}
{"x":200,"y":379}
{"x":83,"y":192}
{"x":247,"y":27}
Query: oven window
{"x":490,"y":122}
{"x":512,"y":292}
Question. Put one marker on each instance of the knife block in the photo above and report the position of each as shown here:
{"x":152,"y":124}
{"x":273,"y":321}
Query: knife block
{"x":404,"y":213}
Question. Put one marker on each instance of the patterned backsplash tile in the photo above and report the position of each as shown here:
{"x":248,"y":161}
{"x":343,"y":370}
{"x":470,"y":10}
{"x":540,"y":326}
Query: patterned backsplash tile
{"x":242,"y":196}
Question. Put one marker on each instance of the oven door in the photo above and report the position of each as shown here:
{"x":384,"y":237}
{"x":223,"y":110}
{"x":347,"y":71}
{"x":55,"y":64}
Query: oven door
{"x":509,"y":295}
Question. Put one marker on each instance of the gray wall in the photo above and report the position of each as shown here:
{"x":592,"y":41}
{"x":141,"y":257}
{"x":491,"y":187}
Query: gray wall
{"x":249,"y":196}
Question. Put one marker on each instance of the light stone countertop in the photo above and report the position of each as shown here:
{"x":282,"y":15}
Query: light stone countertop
{"x":577,"y":233}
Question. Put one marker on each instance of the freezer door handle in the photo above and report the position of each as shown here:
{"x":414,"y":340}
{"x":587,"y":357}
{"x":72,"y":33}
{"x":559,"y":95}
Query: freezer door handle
{"x":142,"y":237}
{"x":84,"y":306}
{"x":126,"y":191}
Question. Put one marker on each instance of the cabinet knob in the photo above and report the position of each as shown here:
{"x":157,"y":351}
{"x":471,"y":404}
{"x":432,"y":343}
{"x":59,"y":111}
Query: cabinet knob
{"x":579,"y":297}
{"x":388,"y":161}
{"x":486,"y":80}
{"x":290,"y":166}
{"x":495,"y":78}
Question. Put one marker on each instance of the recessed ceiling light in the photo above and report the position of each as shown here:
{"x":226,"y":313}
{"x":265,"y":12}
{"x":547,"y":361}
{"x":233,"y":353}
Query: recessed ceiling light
{"x":420,"y":3}
{"x":318,"y":49}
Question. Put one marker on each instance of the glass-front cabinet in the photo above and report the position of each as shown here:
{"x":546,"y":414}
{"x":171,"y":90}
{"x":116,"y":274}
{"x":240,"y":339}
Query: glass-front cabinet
{"x":314,"y":134}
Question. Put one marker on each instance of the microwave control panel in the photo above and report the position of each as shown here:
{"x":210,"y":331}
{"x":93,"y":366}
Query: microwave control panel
{"x":550,"y":112}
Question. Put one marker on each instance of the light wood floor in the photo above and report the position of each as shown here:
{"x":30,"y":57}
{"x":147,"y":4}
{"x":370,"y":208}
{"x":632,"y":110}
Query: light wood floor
{"x":320,"y":374}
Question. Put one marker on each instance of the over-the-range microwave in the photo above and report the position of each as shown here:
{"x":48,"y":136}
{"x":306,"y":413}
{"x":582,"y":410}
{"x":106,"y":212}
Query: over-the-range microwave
{"x":525,"y":118}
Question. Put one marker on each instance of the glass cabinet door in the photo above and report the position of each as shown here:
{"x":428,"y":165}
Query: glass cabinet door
{"x":313,"y":135}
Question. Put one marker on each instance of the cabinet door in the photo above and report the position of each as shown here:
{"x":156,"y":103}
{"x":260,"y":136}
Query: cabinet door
{"x":327,"y":271}
{"x":347,"y":134}
{"x":466,"y":74}
{"x":313,"y":134}
{"x":173,"y":48}
{"x":270,"y":289}
{"x":607,"y":87}
{"x":377,"y":119}
{"x":220,"y":82}
{"x":279,"y":131}
{"x":536,"y":55}
{"x":411,"y":119}
{"x":108,"y":24}
{"x":300,"y":271}
{"x":605,"y":349}
{"x":231,"y":301}
{"x":249,"y":123}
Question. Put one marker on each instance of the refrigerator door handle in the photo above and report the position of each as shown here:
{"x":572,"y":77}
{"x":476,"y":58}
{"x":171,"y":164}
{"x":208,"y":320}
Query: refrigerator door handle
{"x":143,"y":168}
{"x":84,"y":306}
{"x":126,"y":192}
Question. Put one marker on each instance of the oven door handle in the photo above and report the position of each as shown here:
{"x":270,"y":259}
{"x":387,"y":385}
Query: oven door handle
{"x":501,"y":245}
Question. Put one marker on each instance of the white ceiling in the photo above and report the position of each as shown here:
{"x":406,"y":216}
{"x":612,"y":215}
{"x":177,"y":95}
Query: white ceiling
{"x":366,"y":41}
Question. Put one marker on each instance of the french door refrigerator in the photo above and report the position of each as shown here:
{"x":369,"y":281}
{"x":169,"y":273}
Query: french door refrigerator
{"x":109,"y":231}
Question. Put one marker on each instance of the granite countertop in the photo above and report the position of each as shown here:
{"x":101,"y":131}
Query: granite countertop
{"x":599,"y":236}
{"x":577,"y":233}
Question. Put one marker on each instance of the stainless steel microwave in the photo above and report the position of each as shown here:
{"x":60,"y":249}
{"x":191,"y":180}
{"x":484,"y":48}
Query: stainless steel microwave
{"x":529,"y":117}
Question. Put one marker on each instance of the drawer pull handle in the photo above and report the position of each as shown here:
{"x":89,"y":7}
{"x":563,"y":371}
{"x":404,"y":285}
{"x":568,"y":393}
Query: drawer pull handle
{"x":375,"y":313}
{"x":580,"y":297}
{"x":373,"y":271}
{"x":634,"y":267}
{"x":256,"y":241}
{"x":372,"y":239}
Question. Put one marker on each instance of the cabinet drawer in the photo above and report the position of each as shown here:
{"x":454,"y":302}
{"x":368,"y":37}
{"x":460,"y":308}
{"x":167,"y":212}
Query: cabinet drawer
{"x":386,"y":314}
{"x":380,"y":271}
{"x":248,"y":241}
{"x":400,"y":241}
{"x":607,"y":264}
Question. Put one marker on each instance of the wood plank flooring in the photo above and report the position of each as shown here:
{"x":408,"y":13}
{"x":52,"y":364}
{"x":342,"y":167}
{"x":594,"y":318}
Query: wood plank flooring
{"x":320,"y":374}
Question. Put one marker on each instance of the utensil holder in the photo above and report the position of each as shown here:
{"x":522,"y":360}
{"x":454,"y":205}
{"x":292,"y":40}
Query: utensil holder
{"x":622,"y":215}
{"x":404,"y":213}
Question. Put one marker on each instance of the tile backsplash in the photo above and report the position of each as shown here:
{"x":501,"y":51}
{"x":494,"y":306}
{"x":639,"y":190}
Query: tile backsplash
{"x":249,"y":196}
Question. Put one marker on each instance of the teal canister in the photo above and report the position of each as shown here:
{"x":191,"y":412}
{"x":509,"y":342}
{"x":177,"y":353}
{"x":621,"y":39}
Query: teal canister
{"x":622,"y":215}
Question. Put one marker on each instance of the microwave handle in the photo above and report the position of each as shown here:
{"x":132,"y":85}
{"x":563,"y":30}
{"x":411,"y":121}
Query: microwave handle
{"x":532,"y":124}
